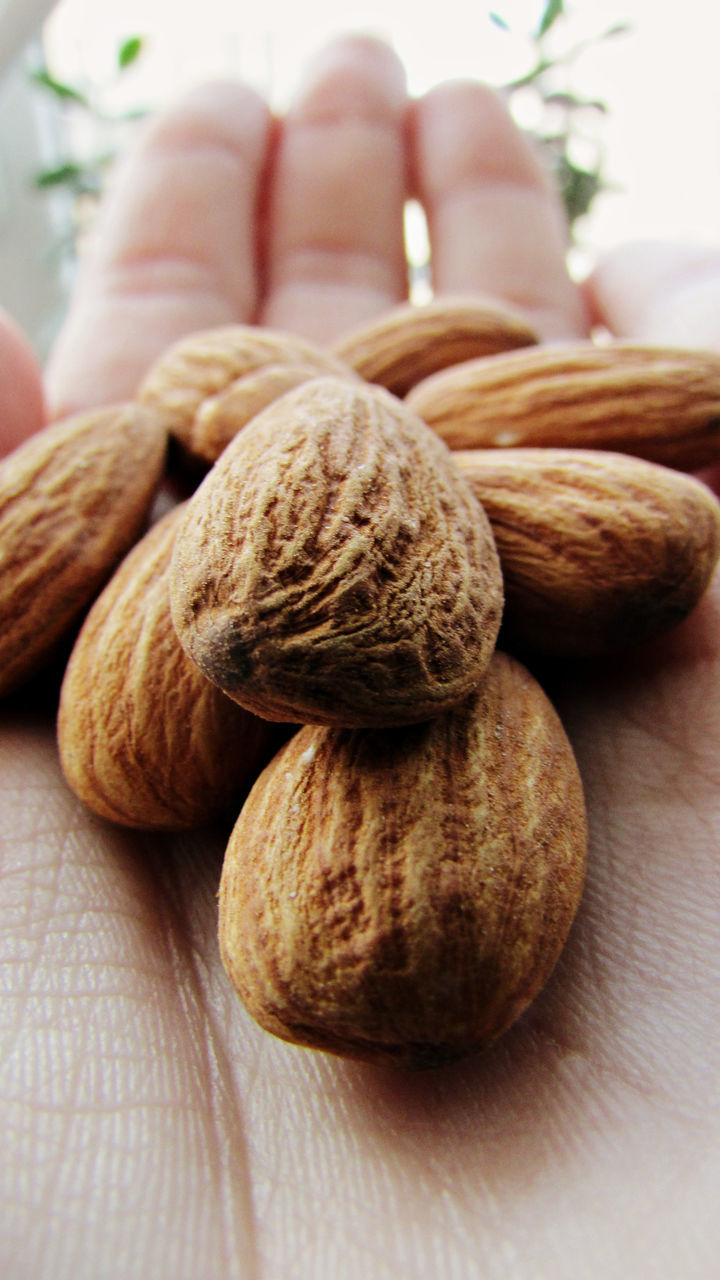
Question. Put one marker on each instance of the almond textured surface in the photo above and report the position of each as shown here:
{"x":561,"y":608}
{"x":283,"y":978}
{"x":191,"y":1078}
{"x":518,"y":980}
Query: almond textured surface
{"x":73,"y":499}
{"x":334,"y":567}
{"x":220,"y":417}
{"x":410,"y":342}
{"x":660,"y":403}
{"x":203,"y":365}
{"x":598,"y":550}
{"x":144,"y":738}
{"x":401,"y":896}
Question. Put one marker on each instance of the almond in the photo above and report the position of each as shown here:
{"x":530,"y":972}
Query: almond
{"x":221,"y":416}
{"x":145,"y":740}
{"x":401,"y":896}
{"x":73,"y":499}
{"x":201,"y":366}
{"x":334,"y":567}
{"x":598,"y":550}
{"x":661,"y":403}
{"x":411,"y":341}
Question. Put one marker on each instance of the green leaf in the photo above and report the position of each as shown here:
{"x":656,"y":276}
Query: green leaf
{"x":578,"y":187}
{"x":572,"y":102}
{"x":66,"y":92}
{"x":499,"y":21}
{"x":64,"y":174}
{"x":530,"y":77}
{"x":82,"y":178}
{"x":552,"y":11}
{"x":619,"y":29}
{"x":129,"y":50}
{"x":133,"y":113}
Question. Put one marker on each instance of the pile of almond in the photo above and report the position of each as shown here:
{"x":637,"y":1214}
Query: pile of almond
{"x":328,"y":637}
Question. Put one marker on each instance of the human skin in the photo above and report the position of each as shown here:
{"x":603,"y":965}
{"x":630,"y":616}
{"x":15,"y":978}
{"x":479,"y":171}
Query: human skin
{"x":22,"y":400}
{"x":150,"y":1130}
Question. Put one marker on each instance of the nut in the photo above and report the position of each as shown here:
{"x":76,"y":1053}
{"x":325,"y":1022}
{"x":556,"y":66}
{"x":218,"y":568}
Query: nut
{"x":410,"y":342}
{"x":334,"y":568}
{"x":401,"y":896}
{"x":73,"y":499}
{"x":661,"y":403}
{"x":598,"y":550}
{"x":145,"y":740}
{"x":220,"y":417}
{"x":203,"y":366}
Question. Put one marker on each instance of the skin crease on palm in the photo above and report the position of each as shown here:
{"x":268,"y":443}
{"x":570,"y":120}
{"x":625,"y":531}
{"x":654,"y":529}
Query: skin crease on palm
{"x":150,"y":1129}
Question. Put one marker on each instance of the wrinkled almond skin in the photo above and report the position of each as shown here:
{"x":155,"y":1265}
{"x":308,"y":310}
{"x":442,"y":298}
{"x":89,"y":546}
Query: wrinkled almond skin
{"x":220,"y":417}
{"x":410,"y":342}
{"x":401,"y":896}
{"x":660,"y":403}
{"x":202,"y":366}
{"x":145,"y":740}
{"x":598,"y":550}
{"x":334,"y":568}
{"x":73,"y":499}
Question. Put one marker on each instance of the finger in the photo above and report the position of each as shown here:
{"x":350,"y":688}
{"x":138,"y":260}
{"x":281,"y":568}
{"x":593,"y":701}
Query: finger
{"x":656,"y":292}
{"x":22,"y":408}
{"x":494,"y":220}
{"x":335,"y":250}
{"x":174,"y":249}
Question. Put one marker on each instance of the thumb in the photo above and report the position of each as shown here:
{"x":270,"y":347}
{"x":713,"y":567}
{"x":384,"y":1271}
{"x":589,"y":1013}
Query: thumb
{"x":657,"y":292}
{"x":22,"y":402}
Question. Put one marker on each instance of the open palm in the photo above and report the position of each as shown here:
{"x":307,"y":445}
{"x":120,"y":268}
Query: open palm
{"x":150,"y":1129}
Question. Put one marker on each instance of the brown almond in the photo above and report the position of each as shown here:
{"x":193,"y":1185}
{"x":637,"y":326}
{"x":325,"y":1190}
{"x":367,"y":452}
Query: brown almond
{"x":145,"y":740}
{"x":412,"y":341}
{"x":201,"y":366}
{"x":598,"y":550}
{"x":220,"y":417}
{"x":401,"y":896}
{"x":660,"y":403}
{"x":333,"y":567}
{"x":73,"y":499}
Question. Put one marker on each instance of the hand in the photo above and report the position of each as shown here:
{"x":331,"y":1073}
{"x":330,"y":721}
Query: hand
{"x":150,"y":1128}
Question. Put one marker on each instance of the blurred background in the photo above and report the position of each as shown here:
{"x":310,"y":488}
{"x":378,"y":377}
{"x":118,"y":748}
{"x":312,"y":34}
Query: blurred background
{"x":623,"y":95}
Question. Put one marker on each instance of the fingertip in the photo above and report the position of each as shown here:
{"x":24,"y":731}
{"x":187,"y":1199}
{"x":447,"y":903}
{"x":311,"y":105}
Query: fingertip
{"x":174,"y":247}
{"x":448,"y":115}
{"x":22,"y":401}
{"x":495,"y":219}
{"x":357,"y":73}
{"x":218,"y":112}
{"x":334,"y":250}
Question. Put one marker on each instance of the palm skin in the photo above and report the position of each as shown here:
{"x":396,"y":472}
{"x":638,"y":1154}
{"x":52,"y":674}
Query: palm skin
{"x":150,"y":1128}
